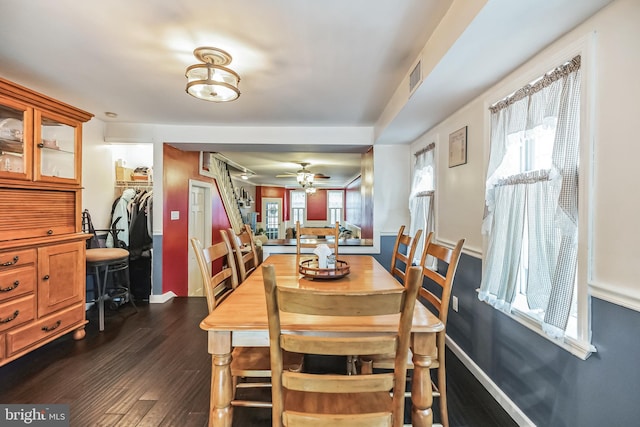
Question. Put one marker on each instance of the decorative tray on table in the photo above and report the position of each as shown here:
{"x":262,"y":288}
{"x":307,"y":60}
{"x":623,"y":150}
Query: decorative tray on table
{"x":310,"y":270}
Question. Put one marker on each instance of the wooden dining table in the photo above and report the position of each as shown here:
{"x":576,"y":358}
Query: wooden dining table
{"x":241,"y":320}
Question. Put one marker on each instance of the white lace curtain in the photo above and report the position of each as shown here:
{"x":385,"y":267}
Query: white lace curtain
{"x":545,"y":200}
{"x":421,"y":197}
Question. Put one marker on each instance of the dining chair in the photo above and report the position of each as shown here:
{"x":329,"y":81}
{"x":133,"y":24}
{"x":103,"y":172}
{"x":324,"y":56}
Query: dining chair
{"x":338,"y":400}
{"x":435,"y":295}
{"x":244,"y":248}
{"x":317,"y":235}
{"x":404,"y":251}
{"x":247,"y":362}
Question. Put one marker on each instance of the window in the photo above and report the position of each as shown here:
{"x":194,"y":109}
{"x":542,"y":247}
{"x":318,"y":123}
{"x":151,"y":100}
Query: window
{"x":298,"y":206}
{"x":532,"y":215}
{"x":421,"y":197}
{"x":335,"y":204}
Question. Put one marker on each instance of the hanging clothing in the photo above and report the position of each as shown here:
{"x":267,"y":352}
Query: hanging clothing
{"x":121,"y":210}
{"x":139,"y":231}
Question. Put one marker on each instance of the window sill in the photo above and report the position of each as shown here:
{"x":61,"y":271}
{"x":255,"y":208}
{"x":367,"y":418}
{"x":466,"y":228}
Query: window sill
{"x":580,"y":349}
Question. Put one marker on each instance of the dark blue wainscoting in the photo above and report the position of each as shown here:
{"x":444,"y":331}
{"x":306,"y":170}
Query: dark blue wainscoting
{"x":550,"y":385}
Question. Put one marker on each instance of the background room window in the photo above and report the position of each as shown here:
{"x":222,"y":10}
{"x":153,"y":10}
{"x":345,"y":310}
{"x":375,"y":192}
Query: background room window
{"x":335,"y":204}
{"x":532,"y":192}
{"x":298,"y":206}
{"x":422,"y":195}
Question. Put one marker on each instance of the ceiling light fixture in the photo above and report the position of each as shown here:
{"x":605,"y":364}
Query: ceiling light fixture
{"x":304,"y":176}
{"x":211,"y":80}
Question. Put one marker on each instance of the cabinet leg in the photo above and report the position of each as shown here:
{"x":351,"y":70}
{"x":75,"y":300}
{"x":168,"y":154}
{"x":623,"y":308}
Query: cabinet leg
{"x":79,"y":334}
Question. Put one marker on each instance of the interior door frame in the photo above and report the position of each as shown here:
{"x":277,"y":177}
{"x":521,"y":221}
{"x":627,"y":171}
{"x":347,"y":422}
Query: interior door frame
{"x":206,"y":240}
{"x":263,"y":213}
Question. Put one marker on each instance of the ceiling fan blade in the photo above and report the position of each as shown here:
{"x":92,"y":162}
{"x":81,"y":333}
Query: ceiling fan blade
{"x":286,"y":175}
{"x":321,"y":176}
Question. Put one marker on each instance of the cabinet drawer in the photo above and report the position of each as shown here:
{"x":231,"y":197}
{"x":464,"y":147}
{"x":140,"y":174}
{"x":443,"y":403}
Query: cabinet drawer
{"x":16,"y":312}
{"x":12,"y":259}
{"x":16,"y":282}
{"x":47,"y":327}
{"x":36,"y":213}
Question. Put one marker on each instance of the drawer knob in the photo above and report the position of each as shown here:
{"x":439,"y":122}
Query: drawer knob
{"x":10,"y":288}
{"x":12,"y":262}
{"x":49,"y":232}
{"x":10,"y":318}
{"x":45,"y":277}
{"x":41,"y":145}
{"x":51,"y":328}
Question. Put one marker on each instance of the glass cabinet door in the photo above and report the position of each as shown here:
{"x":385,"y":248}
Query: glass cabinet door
{"x":56,"y":149}
{"x":15,"y":140}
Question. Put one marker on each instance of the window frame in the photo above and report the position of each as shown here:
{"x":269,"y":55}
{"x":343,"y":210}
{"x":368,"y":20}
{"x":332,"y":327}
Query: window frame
{"x":294,"y":208}
{"x":341,"y":208}
{"x":580,"y":346}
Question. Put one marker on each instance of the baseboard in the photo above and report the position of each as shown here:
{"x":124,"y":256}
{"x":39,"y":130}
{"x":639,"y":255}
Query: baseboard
{"x":503,"y":400}
{"x":161,"y":299}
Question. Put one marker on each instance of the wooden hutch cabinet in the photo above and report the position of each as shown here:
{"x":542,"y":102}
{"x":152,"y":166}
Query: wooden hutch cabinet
{"x":42,"y":247}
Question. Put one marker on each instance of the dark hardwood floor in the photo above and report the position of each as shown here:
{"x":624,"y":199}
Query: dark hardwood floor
{"x":151,"y":368}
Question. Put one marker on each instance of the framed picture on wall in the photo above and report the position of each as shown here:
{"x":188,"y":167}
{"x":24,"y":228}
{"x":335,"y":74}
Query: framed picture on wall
{"x":458,"y":147}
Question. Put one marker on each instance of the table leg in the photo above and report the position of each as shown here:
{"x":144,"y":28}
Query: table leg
{"x":424,"y":351}
{"x":220,"y":409}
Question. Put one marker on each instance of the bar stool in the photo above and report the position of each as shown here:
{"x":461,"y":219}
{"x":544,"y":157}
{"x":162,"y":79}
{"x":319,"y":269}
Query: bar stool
{"x":104,"y":261}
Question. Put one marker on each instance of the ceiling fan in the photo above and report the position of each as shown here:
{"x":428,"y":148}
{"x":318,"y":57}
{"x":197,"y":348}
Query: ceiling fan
{"x":303,"y":172}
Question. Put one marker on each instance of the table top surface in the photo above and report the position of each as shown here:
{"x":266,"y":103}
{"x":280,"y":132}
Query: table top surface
{"x":245,"y":309}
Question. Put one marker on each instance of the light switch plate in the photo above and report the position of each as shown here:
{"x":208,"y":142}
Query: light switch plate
{"x":175,"y":215}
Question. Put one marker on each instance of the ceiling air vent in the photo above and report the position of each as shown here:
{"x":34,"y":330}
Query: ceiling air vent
{"x":415,"y":78}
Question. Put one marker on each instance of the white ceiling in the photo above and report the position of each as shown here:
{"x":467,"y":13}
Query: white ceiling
{"x":302,"y":63}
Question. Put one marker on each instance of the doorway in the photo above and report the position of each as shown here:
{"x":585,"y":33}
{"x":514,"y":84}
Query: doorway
{"x":199,"y":227}
{"x":272,"y":214}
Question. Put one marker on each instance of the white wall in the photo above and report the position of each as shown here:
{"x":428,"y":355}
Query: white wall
{"x":392,"y":182}
{"x":97,"y":174}
{"x":615,"y":205}
{"x":98,"y":169}
{"x":460,"y":197}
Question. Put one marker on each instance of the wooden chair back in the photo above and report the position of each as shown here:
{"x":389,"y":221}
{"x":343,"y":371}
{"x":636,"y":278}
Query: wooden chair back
{"x":244,"y":248}
{"x":219,"y":285}
{"x":435,"y":295}
{"x":404,"y":251}
{"x":321,"y":233}
{"x":335,"y":399}
{"x":443,"y":280}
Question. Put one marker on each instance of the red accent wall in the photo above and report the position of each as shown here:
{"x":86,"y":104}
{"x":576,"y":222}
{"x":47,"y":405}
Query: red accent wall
{"x":353,"y":202}
{"x":274,"y":193}
{"x":179,"y":167}
{"x":317,"y":206}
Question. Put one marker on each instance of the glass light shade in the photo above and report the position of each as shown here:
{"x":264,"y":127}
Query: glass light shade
{"x":212,"y":83}
{"x":304,"y":178}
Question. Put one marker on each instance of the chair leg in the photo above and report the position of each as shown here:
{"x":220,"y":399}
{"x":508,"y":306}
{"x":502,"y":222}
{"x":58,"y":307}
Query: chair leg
{"x":351,"y":365}
{"x":102,"y":285}
{"x":442,"y":387}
